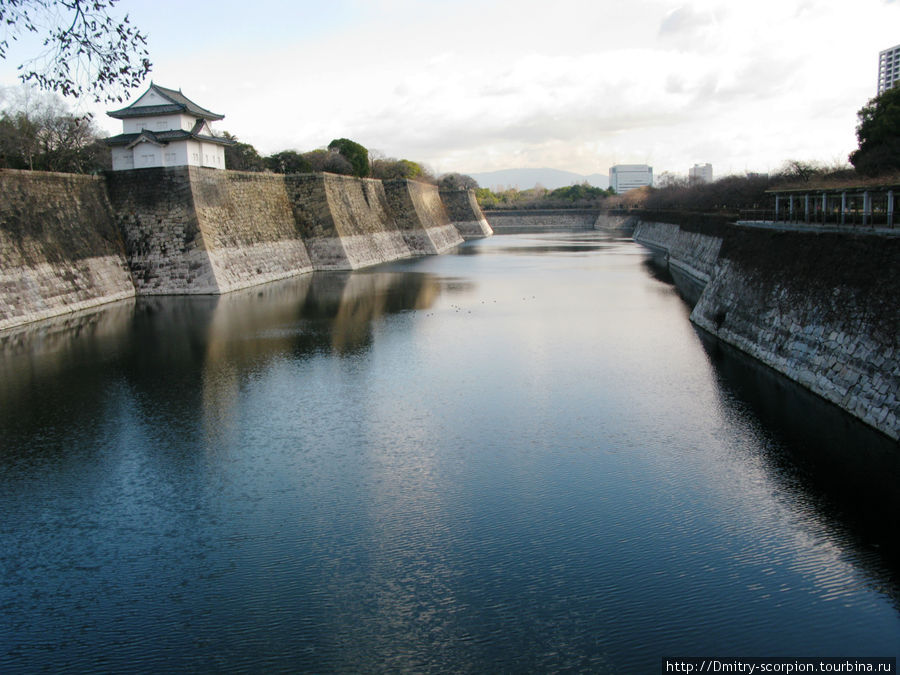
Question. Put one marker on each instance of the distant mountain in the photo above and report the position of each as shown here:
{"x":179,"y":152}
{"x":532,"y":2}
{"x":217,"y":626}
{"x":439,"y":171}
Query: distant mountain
{"x":524,"y":179}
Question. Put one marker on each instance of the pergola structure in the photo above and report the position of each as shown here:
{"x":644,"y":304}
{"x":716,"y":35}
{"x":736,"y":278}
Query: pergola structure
{"x":865,"y":205}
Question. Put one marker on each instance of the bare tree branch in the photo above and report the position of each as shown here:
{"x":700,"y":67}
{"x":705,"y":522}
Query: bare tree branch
{"x":86,"y":50}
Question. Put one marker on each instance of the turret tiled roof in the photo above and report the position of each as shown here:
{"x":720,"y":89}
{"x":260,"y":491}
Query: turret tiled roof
{"x":178,"y":103}
{"x":164,"y":137}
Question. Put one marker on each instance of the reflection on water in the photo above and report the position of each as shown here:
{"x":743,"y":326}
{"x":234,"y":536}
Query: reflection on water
{"x":53,"y":365}
{"x":519,"y":457}
{"x":534,"y":243}
{"x":352,"y":302}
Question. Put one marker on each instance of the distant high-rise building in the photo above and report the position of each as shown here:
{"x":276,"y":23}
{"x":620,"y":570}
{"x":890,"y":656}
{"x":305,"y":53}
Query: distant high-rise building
{"x":888,"y":69}
{"x":700,"y":173}
{"x":625,"y":177}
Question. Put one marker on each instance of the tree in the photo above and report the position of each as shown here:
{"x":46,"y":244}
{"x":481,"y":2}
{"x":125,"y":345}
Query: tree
{"x":325,"y":160}
{"x":457,"y":181}
{"x":878,"y":133}
{"x":86,"y":50}
{"x":288,"y":161}
{"x":354,"y":153}
{"x":486,"y":198}
{"x":40,"y":133}
{"x":583,"y":192}
{"x":799,"y":171}
{"x":726,"y":194}
{"x":242,"y":156}
{"x":18,"y":141}
{"x":388,"y":168}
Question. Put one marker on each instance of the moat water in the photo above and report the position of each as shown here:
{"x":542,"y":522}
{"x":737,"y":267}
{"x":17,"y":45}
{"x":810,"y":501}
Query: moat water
{"x":520,"y":456}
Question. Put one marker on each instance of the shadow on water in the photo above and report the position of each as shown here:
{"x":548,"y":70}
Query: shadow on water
{"x":60,"y":364}
{"x":539,"y":243}
{"x":658,"y":271}
{"x":847,"y":468}
{"x":825,"y":457}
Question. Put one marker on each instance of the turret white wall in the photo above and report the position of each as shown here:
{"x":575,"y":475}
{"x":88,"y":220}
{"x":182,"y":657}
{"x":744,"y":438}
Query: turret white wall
{"x":177,"y":153}
{"x":134,"y":125}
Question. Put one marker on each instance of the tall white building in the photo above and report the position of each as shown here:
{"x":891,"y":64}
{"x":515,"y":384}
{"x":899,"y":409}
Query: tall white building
{"x":625,"y":177}
{"x":700,"y":173}
{"x":888,"y":68}
{"x":165,"y":128}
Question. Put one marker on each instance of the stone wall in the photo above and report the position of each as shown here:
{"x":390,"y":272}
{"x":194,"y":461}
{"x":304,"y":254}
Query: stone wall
{"x":690,"y":256}
{"x":465,"y":214}
{"x":200,"y":230}
{"x":345,"y":222}
{"x":155,"y":212}
{"x":532,"y":220}
{"x":818,"y":308}
{"x":615,"y":222}
{"x":69,"y":242}
{"x":60,"y":250}
{"x":248,"y":227}
{"x":512,"y":221}
{"x":421,"y":216}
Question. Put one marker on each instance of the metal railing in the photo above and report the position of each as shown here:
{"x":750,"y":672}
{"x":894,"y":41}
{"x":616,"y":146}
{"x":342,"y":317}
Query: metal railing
{"x":849,"y":218}
{"x":851,"y":208}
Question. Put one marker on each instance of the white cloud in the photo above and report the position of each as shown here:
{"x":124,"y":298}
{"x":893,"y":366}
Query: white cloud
{"x":578,"y":85}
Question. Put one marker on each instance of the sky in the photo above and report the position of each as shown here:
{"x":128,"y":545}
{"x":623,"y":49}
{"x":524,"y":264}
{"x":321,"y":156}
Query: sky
{"x":483,"y":85}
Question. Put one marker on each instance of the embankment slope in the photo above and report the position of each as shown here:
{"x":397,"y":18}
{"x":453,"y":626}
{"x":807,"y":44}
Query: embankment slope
{"x":60,"y":250}
{"x":200,"y":230}
{"x":345,"y":222}
{"x":68,"y":242}
{"x":465,"y":214}
{"x":514,"y":221}
{"x":421,"y":216}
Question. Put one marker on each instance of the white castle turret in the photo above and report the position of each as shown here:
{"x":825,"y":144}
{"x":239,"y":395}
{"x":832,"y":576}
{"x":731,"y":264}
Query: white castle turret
{"x":165,"y":128}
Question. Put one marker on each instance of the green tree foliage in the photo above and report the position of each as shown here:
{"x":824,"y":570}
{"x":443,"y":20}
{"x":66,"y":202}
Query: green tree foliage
{"x":354,"y":153}
{"x":85,"y":49}
{"x":486,"y":198}
{"x":878,"y":133}
{"x":510,"y":198}
{"x":39,"y":133}
{"x":388,"y":168}
{"x":538,"y":197}
{"x":242,"y":156}
{"x":578,"y":193}
{"x":288,"y":161}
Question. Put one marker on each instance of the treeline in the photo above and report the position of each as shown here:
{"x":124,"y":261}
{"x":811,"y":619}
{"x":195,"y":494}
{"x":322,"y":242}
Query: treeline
{"x":342,"y":156}
{"x":736,"y":193}
{"x":39,"y":133}
{"x":582,"y":195}
{"x":876,"y":161}
{"x":727,"y":195}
